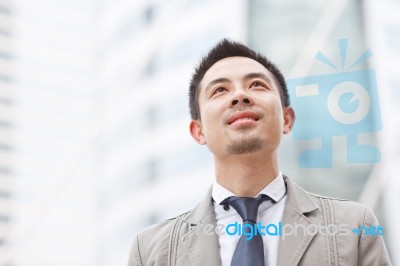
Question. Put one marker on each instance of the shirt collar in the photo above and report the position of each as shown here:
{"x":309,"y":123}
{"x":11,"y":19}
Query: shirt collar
{"x":276,"y":190}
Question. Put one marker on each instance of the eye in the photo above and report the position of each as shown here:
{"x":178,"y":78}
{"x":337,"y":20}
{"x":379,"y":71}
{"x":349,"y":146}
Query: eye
{"x":218,"y":90}
{"x":256,"y":84}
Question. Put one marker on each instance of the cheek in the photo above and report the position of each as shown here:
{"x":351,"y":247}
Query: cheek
{"x":208,"y":123}
{"x":271,"y":102}
{"x":274,"y":114}
{"x":212,"y":114}
{"x":211,"y":126}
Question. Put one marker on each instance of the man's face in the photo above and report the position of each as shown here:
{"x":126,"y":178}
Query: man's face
{"x":240,"y":107}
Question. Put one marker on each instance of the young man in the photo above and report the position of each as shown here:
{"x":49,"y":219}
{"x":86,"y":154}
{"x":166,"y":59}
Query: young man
{"x":252,"y":214}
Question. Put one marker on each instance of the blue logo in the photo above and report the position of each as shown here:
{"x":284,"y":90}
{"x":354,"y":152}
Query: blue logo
{"x":340,"y":104}
{"x":368,"y":230}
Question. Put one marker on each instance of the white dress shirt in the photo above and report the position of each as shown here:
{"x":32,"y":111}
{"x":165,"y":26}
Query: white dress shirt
{"x":268,"y":213}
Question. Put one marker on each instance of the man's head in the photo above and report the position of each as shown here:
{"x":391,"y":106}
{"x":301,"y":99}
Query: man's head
{"x":239,"y":100}
{"x":222,"y":50}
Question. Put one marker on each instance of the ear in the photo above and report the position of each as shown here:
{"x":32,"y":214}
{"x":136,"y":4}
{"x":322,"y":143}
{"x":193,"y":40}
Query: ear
{"x":288,"y":119}
{"x":196,"y":131}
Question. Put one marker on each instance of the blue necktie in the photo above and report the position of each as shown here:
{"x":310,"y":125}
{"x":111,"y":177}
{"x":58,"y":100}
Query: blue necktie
{"x":248,"y":252}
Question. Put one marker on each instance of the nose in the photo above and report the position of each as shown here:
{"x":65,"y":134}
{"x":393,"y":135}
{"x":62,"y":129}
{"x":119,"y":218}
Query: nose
{"x":241,"y":98}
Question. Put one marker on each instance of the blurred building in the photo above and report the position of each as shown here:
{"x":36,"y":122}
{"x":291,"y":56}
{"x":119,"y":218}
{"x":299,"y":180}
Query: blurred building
{"x":94,"y":137}
{"x":47,"y":96}
{"x":6,"y":125}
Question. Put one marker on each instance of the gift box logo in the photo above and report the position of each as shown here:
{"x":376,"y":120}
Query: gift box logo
{"x":339,"y":104}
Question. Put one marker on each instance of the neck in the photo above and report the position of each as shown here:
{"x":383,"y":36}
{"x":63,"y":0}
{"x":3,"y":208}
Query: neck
{"x":246,"y":175}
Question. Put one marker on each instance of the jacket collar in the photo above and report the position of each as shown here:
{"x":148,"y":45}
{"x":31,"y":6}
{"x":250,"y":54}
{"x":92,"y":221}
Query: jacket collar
{"x":298,"y":198}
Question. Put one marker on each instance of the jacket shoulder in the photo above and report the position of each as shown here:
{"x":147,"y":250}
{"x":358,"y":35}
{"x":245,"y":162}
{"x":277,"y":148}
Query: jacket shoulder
{"x":345,"y":209}
{"x":340,"y":201}
{"x":158,"y":232}
{"x":151,"y":245}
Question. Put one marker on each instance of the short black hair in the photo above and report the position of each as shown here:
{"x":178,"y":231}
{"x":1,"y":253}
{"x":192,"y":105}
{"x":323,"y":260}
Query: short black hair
{"x":224,"y":49}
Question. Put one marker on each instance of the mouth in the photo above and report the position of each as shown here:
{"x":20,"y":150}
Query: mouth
{"x":243,"y":117}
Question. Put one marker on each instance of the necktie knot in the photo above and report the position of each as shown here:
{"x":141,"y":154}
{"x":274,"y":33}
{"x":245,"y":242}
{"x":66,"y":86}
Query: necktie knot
{"x":246,"y":207}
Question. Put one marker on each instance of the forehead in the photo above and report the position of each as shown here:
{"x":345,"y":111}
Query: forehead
{"x":234,"y":68}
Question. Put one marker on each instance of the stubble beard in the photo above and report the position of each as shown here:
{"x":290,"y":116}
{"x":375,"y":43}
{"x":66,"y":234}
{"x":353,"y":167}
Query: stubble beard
{"x":244,"y":145}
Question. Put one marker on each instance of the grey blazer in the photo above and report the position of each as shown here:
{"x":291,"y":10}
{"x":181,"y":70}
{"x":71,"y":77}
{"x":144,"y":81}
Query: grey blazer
{"x":179,"y":241}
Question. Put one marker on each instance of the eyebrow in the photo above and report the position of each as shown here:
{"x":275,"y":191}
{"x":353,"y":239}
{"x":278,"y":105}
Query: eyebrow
{"x":216,"y":81}
{"x":258,"y":75}
{"x":246,"y":77}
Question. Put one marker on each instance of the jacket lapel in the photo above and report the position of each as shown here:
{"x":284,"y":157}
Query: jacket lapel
{"x":201,"y":241}
{"x":298,"y":204}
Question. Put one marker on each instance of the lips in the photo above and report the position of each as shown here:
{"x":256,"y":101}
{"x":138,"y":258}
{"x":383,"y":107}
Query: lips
{"x":243,"y":116}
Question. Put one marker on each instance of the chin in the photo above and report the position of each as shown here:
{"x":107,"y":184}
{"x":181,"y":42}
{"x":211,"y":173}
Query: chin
{"x":245,"y":145}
